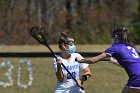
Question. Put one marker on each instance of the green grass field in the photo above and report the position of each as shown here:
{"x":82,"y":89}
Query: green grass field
{"x":106,"y":78}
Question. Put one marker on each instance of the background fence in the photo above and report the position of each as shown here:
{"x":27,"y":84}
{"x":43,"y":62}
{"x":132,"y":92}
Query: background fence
{"x":41,"y":54}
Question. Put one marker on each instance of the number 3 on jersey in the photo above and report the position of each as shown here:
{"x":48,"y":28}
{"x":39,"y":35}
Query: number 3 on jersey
{"x":134,"y":53}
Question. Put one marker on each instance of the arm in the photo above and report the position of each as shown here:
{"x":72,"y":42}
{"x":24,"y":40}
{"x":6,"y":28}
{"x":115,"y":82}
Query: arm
{"x":92,"y":59}
{"x":59,"y":73}
{"x":84,"y":77}
{"x":114,"y":61}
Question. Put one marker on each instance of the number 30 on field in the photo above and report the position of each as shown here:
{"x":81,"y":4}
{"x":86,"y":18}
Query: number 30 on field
{"x":8,"y":74}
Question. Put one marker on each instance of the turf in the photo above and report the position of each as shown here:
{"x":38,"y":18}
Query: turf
{"x":106,"y":78}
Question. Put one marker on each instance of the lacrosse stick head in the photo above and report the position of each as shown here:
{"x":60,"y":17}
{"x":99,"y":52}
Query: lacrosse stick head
{"x":38,"y":33}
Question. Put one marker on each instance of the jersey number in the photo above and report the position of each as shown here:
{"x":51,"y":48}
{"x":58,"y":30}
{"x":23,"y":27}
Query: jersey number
{"x":73,"y":74}
{"x":134,"y":53}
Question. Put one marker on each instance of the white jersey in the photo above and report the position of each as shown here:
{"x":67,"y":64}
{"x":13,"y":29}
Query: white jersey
{"x":69,"y":85}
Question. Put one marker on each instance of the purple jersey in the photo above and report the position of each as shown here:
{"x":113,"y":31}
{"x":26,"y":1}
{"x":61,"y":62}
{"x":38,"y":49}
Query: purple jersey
{"x":127,"y":57}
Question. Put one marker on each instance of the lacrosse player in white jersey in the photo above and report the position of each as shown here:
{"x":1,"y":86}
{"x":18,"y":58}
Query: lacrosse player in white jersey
{"x":65,"y":84}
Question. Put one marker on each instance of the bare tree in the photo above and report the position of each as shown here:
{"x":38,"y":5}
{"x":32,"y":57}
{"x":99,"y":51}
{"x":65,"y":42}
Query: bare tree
{"x":68,"y":14}
{"x":8,"y":19}
{"x":138,"y":9}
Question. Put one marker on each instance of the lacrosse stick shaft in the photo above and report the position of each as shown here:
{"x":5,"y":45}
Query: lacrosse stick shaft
{"x":63,"y":65}
{"x":38,"y":33}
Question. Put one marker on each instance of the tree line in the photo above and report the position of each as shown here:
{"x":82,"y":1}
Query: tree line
{"x":88,"y":21}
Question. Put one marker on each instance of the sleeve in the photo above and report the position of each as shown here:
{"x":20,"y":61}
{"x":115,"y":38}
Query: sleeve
{"x":137,"y":50}
{"x":110,"y":51}
{"x":82,"y":65}
{"x":54,"y":65}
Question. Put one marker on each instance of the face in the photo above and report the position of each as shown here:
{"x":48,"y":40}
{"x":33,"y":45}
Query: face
{"x":113,"y":40}
{"x":70,"y":47}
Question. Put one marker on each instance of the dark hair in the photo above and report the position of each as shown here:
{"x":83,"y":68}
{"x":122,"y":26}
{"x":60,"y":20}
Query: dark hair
{"x":64,"y":38}
{"x":122,"y":34}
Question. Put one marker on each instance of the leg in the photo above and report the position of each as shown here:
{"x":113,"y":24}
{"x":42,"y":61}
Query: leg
{"x":125,"y":89}
{"x":133,"y":90}
{"x":130,"y":90}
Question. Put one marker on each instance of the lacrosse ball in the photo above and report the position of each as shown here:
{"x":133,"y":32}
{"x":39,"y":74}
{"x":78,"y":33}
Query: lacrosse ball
{"x":39,"y":36}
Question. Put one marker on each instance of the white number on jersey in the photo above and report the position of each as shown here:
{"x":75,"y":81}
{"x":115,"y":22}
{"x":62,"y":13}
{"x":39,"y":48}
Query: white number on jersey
{"x":134,"y":53}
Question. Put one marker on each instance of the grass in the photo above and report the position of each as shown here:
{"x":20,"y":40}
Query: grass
{"x":106,"y":78}
{"x":40,"y":48}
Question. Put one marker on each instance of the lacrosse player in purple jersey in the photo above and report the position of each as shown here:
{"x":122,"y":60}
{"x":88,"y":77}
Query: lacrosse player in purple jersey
{"x":125,"y":54}
{"x":65,"y":84}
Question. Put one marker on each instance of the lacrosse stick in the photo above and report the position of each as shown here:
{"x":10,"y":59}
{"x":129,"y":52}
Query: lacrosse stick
{"x":39,"y":34}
